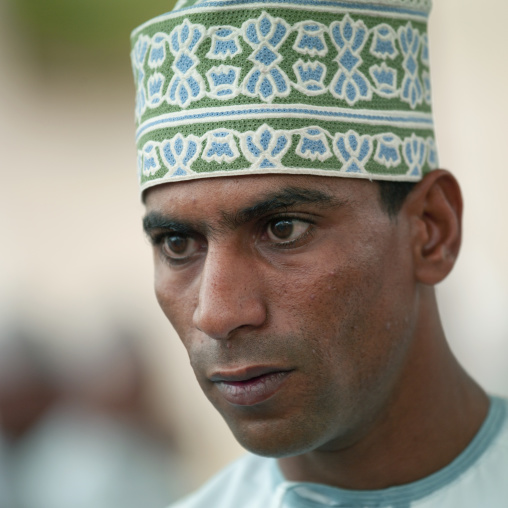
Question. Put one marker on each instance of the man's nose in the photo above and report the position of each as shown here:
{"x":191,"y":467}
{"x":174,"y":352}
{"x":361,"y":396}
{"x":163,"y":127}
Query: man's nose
{"x":229,"y":294}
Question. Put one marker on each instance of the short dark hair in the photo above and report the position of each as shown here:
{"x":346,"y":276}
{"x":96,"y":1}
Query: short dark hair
{"x":393,"y":195}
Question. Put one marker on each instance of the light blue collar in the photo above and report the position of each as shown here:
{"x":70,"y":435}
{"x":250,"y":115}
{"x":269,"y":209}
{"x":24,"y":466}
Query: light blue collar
{"x":312,"y":495}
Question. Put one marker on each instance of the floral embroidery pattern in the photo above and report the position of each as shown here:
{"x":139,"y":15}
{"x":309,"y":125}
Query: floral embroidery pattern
{"x":266,"y":147}
{"x":265,"y":79}
{"x":138,"y":59}
{"x":427,"y":90}
{"x":313,"y":145}
{"x":154,"y":89}
{"x":149,"y":160}
{"x":350,"y":83}
{"x":411,"y":86}
{"x":220,"y":147}
{"x":310,"y":76}
{"x":353,"y":151}
{"x":432,"y":157}
{"x":415,"y":149}
{"x":425,"y":50}
{"x":265,"y":91}
{"x":157,"y":51}
{"x":223,"y":81}
{"x":225,"y":43}
{"x":178,"y":153}
{"x":388,"y":150}
{"x":186,"y":85}
{"x":310,"y":40}
{"x":385,"y":79}
{"x":384,"y":42}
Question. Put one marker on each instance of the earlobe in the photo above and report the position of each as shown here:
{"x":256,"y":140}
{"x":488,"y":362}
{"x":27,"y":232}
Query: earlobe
{"x":435,"y":206}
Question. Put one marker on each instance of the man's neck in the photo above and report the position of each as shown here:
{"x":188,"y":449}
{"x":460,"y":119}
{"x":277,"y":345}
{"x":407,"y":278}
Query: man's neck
{"x":430,"y":419}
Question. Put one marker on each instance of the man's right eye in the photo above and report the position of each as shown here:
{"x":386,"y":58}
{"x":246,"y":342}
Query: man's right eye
{"x":178,"y":247}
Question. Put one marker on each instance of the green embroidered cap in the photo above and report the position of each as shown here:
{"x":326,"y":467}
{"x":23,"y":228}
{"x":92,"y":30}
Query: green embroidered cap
{"x":322,"y":87}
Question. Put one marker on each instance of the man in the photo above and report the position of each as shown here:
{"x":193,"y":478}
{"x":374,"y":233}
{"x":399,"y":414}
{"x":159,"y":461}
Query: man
{"x":287,"y":163}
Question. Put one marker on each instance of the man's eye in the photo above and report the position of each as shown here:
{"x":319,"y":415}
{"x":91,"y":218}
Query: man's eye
{"x":287,"y":230}
{"x":179,"y":247}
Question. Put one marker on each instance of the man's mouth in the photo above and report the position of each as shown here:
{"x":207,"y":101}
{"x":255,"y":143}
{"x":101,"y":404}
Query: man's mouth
{"x":249,"y":386}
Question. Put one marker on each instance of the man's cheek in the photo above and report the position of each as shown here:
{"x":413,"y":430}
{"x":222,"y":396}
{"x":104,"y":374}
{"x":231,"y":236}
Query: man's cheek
{"x":172,"y":307}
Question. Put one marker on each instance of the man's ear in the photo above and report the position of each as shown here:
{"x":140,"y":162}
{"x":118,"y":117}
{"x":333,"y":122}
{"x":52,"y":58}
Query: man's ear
{"x":434,"y":208}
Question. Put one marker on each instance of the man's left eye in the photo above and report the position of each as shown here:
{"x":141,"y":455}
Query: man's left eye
{"x":286,"y":230}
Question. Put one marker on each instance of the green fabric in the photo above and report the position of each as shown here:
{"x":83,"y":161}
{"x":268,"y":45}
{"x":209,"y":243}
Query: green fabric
{"x":304,"y":86}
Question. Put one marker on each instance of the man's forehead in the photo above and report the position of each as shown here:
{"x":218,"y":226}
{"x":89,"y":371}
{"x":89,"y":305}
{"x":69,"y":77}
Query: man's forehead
{"x":236,"y":193}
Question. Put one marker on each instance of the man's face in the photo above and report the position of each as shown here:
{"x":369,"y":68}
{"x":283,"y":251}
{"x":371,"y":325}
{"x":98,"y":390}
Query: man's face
{"x":294,"y":298}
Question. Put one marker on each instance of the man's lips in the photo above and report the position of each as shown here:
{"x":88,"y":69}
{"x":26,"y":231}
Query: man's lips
{"x":251,"y":385}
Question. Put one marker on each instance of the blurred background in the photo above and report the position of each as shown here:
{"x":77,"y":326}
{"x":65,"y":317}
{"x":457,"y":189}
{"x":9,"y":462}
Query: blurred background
{"x":95,"y":388}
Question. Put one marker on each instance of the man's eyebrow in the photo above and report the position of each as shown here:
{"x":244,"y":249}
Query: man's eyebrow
{"x":280,"y":200}
{"x":155,"y":220}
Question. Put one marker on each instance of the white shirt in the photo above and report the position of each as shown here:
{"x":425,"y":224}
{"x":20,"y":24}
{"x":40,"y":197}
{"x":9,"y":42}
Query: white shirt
{"x":477,"y":478}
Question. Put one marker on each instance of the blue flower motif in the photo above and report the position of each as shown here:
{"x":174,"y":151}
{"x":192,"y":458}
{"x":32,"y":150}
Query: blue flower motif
{"x":158,"y":51}
{"x":353,"y":151}
{"x":179,"y":153}
{"x":425,"y":50}
{"x":140,"y":102}
{"x":409,"y":39}
{"x":185,"y":37}
{"x":350,"y":84}
{"x":348,"y":34}
{"x":220,"y":147}
{"x":384,"y":42}
{"x":388,"y":150}
{"x":412,"y":91}
{"x":427,"y":88}
{"x":266,"y":80}
{"x":310,"y":39}
{"x":313,"y":145}
{"x":154,"y":87}
{"x":414,"y":150}
{"x":138,"y":56}
{"x":223,"y":81}
{"x":385,"y":79}
{"x":265,"y":148}
{"x":432,"y":155}
{"x":140,"y":50}
{"x":150,"y":163}
{"x":310,"y":77}
{"x":183,"y":91}
{"x":225,"y":43}
{"x":186,"y":85}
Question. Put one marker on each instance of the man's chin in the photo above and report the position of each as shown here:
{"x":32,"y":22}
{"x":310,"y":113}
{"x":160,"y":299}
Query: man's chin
{"x":273,"y":439}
